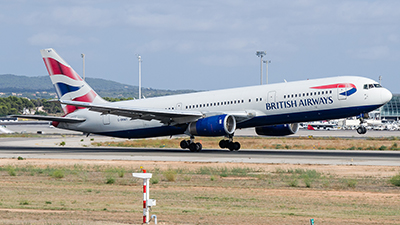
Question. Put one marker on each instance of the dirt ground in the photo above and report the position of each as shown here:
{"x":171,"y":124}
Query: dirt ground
{"x":198,"y":200}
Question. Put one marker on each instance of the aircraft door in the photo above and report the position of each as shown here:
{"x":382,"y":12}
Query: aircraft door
{"x":106,"y":119}
{"x":179,"y":106}
{"x":342,"y":91}
{"x":271,"y":96}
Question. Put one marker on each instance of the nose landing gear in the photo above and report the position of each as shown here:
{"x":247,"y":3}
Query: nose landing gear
{"x":361,"y":129}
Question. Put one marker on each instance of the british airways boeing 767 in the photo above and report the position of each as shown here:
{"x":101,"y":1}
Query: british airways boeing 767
{"x":273,"y":109}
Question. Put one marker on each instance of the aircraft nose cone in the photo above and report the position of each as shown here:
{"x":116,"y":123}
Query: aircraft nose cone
{"x":386,"y":95}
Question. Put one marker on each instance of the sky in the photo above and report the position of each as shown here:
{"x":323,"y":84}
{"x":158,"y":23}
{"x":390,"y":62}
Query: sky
{"x":205,"y":45}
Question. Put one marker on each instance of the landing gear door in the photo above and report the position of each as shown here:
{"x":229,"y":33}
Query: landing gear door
{"x":106,"y":119}
{"x":342,"y":91}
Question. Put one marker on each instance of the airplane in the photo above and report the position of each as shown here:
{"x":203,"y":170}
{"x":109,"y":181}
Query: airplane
{"x":272,"y":109}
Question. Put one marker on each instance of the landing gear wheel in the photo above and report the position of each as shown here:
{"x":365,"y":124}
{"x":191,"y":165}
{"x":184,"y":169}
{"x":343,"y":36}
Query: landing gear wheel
{"x":199,"y":146}
{"x":236,"y":146}
{"x":193,"y":147}
{"x":361,"y":130}
{"x":231,"y":146}
{"x":184,"y":144}
{"x":223,"y":143}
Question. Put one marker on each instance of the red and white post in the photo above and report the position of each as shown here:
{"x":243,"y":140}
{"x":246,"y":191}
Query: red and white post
{"x":147,"y":203}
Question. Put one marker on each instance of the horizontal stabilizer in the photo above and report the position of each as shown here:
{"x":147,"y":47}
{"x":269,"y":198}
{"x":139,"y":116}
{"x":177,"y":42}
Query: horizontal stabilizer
{"x":51,"y":118}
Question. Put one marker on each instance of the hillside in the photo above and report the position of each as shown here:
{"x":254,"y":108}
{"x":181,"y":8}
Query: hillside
{"x":41,"y":87}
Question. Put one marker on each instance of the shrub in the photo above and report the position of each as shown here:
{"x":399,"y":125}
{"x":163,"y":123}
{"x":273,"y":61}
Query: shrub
{"x":20,"y":158}
{"x":382,"y":148}
{"x":62,"y":143}
{"x":170,"y":175}
{"x":395,"y":180}
{"x":294,"y":182}
{"x":154,"y":180}
{"x":121,"y":172}
{"x":307,"y":181}
{"x":11,"y":171}
{"x":58,"y":174}
{"x":351,"y":183}
{"x":110,"y":180}
{"x":24,"y":202}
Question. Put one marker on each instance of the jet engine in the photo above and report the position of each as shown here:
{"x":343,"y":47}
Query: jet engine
{"x":278,"y":130}
{"x":213,"y":126}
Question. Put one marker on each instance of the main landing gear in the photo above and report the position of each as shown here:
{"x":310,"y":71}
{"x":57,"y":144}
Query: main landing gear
{"x":232,"y":146}
{"x":191,"y":145}
{"x":196,"y":147}
{"x":229,"y":144}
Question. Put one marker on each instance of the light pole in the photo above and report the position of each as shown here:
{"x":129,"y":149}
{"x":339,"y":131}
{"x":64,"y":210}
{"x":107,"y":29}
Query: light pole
{"x":83,"y":67}
{"x":140,"y":75}
{"x":266,"y":73}
{"x":261,"y":55}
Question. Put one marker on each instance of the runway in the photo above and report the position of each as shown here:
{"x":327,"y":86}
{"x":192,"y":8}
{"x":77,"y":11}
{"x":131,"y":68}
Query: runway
{"x":80,"y":147}
{"x":332,"y":157}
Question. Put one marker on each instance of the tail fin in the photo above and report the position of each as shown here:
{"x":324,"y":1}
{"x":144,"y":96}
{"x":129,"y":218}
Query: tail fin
{"x":68,"y":84}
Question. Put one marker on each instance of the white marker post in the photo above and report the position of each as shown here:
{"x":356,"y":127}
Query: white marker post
{"x":147,"y":203}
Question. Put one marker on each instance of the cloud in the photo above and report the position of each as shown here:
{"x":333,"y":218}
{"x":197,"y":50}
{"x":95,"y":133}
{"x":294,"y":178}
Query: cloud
{"x":47,"y":39}
{"x":371,"y":53}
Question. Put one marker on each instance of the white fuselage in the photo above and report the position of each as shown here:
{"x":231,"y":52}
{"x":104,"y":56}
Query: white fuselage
{"x":281,"y":103}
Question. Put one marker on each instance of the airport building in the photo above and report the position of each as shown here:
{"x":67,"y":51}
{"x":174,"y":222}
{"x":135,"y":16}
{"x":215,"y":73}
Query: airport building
{"x":391,"y":111}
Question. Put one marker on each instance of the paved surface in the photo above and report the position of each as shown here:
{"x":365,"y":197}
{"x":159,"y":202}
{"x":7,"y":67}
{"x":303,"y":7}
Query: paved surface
{"x":336,"y":157}
{"x":79,"y":147}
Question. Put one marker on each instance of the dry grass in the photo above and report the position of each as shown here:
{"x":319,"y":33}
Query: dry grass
{"x":230,"y":193}
{"x":330,"y":143}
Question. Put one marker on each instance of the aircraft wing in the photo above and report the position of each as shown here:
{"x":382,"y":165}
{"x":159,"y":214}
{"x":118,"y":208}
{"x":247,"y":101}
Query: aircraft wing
{"x":52,"y":118}
{"x":165,"y":116}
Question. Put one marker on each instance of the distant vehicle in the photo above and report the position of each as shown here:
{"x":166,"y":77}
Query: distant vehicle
{"x":321,"y":126}
{"x":273,"y":109}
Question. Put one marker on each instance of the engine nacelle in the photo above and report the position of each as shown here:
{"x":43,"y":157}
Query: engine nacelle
{"x":278,"y":130}
{"x":213,"y":126}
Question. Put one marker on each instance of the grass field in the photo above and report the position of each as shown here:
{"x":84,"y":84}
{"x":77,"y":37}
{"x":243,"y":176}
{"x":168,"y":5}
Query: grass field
{"x":35,"y":191}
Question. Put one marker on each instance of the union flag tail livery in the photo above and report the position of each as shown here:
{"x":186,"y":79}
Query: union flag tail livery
{"x":272,"y":109}
{"x":68,"y":84}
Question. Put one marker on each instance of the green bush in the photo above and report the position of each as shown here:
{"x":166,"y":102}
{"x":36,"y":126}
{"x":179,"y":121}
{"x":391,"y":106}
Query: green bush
{"x":383,"y":147}
{"x":395,"y":180}
{"x":351,"y":183}
{"x":170,"y":175}
{"x":58,"y":174}
{"x":293,"y":182}
{"x":110,"y":180}
{"x":11,"y":171}
{"x":155,"y":179}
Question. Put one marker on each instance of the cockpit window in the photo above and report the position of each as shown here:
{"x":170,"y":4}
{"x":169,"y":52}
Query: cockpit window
{"x":369,"y":86}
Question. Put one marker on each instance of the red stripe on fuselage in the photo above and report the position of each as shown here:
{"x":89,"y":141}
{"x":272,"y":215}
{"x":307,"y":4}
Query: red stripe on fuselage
{"x":330,"y":86}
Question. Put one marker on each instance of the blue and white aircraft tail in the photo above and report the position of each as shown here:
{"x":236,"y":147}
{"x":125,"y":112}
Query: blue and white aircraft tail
{"x":273,"y":109}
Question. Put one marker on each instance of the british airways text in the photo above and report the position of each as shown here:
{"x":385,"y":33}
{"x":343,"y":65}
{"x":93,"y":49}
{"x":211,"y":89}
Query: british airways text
{"x":299,"y":103}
